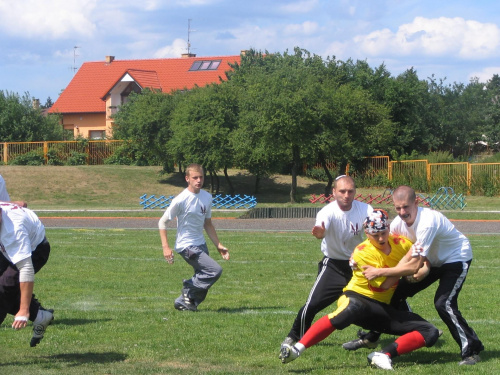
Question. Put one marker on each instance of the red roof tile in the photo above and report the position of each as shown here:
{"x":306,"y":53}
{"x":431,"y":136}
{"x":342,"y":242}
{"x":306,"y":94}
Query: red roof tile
{"x":95,"y":79}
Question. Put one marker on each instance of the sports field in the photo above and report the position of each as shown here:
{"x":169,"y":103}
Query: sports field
{"x":113,"y":295}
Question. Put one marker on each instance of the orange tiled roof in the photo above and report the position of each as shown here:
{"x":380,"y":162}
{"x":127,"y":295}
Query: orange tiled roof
{"x":94,"y":80}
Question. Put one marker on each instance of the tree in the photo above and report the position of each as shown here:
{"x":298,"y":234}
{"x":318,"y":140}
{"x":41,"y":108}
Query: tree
{"x":278,"y":116}
{"x":353,"y":126}
{"x":20,"y":122}
{"x":202,"y":124}
{"x":145,"y":120}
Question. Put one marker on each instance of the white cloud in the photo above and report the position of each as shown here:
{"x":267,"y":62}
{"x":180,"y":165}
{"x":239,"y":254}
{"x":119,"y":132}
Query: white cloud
{"x":486,"y":74}
{"x":176,"y":49}
{"x":305,"y":28}
{"x":433,"y":37}
{"x":53,"y":19}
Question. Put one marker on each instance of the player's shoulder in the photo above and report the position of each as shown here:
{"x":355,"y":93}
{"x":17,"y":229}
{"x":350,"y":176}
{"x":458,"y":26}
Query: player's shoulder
{"x":400,"y":240}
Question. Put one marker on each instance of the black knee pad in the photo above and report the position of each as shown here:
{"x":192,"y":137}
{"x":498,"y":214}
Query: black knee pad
{"x":431,"y":335}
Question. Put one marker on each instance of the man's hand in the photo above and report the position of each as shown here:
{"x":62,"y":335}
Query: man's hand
{"x":223,"y":251}
{"x":416,"y":249}
{"x":21,"y":320}
{"x":319,"y":231}
{"x":168,"y":254}
{"x":370,"y":272}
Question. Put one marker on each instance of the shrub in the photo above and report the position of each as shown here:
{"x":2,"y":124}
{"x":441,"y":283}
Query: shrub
{"x":34,"y":157}
{"x":77,"y":158}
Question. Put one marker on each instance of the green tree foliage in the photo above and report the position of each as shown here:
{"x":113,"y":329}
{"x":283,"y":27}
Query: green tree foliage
{"x":278,"y":103}
{"x":277,"y":112}
{"x":20,"y":122}
{"x":201,"y":126}
{"x":145,"y":120}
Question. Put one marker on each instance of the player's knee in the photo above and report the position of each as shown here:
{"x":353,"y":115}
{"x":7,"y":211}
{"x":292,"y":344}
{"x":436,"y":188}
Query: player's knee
{"x":431,"y":335}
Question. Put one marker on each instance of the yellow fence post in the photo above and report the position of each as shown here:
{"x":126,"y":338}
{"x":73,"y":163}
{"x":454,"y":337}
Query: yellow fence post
{"x":5,"y":153}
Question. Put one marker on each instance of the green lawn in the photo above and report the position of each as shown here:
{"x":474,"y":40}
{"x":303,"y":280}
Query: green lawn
{"x":113,"y":295}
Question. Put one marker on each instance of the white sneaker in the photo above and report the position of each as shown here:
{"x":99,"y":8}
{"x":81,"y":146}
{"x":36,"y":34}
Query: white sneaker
{"x":43,"y":319}
{"x":288,"y":353}
{"x":380,"y":360}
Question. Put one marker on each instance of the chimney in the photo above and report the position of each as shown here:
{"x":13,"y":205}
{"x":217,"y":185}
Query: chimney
{"x":243,"y":52}
{"x":109,"y":59}
{"x":188,"y":55}
{"x":36,"y":103}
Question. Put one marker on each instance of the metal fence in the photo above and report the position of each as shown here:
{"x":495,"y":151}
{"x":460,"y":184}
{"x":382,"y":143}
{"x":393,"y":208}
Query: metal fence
{"x":60,"y":152}
{"x":469,"y":178}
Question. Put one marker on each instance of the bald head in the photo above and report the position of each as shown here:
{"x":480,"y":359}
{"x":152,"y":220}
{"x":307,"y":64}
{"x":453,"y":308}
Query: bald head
{"x":344,"y":178}
{"x":404,"y":192}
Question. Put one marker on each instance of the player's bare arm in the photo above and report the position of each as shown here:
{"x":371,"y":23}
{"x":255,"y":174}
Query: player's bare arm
{"x":407,"y":266}
{"x":212,"y":234}
{"x":168,"y":253}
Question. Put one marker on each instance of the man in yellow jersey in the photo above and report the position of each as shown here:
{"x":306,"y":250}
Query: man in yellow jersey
{"x":366,"y":303}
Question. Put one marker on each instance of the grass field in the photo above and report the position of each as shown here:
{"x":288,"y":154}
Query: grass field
{"x":113,"y":295}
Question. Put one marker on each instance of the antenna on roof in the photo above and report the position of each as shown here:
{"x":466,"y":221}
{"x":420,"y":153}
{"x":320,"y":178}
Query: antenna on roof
{"x":189,"y":37}
{"x":74,"y":59}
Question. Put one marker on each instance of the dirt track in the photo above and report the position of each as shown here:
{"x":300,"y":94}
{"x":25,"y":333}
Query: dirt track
{"x":465,"y":226}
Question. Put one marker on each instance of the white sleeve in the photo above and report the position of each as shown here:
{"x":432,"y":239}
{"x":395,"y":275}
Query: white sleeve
{"x":169,"y":214}
{"x":4,"y":196}
{"x":26,"y":270}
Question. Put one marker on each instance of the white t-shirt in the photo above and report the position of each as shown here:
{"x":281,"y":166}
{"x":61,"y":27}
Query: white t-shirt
{"x":21,"y":232}
{"x":343,"y":229}
{"x":441,"y":241}
{"x":4,"y":196}
{"x":191,"y":211}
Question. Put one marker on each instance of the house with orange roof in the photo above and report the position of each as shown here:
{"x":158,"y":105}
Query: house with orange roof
{"x":99,"y":88}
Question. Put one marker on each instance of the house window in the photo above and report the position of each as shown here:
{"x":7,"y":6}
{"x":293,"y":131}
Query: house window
{"x":205,"y":65}
{"x":97,"y":134}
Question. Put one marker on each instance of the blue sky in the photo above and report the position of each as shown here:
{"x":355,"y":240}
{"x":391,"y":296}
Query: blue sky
{"x":455,"y":39}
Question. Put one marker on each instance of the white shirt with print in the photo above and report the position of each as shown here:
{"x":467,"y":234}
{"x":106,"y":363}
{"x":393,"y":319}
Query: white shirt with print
{"x":191,"y":211}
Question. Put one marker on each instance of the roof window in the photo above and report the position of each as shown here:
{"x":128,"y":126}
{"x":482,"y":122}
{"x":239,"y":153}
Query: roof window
{"x":205,"y":65}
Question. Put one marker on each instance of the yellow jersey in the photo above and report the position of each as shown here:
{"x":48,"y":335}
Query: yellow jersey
{"x":367,"y":254}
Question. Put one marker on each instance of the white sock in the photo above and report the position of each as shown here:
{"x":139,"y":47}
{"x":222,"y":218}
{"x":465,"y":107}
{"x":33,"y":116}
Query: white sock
{"x":300,"y":347}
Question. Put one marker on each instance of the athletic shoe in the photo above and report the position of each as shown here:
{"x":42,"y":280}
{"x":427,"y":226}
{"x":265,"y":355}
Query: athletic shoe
{"x":288,"y":353}
{"x":184,"y":303}
{"x":288,"y":341}
{"x":471,"y":360}
{"x":43,"y":319}
{"x":362,"y":342}
{"x":380,"y":360}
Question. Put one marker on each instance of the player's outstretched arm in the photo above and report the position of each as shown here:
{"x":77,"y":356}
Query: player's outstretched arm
{"x":319,"y":231}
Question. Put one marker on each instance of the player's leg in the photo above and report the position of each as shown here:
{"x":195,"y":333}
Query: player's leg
{"x":333,"y":276}
{"x":403,"y":291}
{"x":206,"y":272}
{"x":349,"y":310}
{"x":453,"y":276}
{"x":415,"y":333}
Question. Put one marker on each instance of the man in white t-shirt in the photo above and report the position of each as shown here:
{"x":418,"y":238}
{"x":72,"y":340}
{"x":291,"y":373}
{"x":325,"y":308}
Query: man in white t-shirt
{"x":339,"y":225}
{"x":24,"y":251}
{"x":450,"y":255}
{"x":193,"y":210}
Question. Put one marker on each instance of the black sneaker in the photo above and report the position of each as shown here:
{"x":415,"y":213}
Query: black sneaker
{"x":471,"y":360}
{"x":362,"y":342}
{"x":184,"y":303}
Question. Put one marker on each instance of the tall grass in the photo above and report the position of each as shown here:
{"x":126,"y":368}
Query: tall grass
{"x":113,"y":299}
